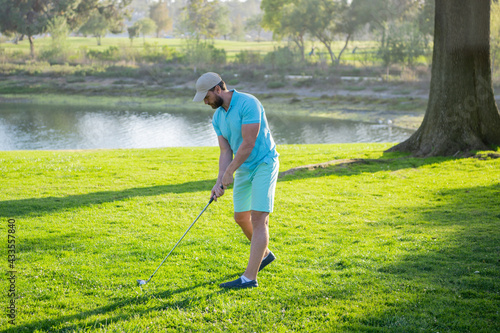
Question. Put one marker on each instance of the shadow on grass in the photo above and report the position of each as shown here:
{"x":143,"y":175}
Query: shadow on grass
{"x":40,"y":206}
{"x":65,"y":323}
{"x":458,"y":285}
{"x":447,"y":278}
{"x":446,"y":292}
{"x":349,"y":167}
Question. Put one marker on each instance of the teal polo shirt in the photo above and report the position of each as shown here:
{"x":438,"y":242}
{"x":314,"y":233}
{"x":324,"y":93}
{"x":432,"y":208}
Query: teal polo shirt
{"x":245,"y":109}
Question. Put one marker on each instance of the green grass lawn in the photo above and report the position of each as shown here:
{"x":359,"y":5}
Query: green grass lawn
{"x":231,"y":47}
{"x":75,"y":43}
{"x":388,"y":244}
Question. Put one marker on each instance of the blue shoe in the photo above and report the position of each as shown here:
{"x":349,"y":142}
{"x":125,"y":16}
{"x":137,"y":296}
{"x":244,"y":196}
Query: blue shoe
{"x":269,"y":259}
{"x":238,"y":283}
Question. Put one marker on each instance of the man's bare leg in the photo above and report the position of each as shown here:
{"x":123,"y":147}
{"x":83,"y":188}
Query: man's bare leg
{"x":259,"y":243}
{"x":244,"y":220}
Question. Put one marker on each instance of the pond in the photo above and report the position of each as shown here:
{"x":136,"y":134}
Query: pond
{"x":41,"y":127}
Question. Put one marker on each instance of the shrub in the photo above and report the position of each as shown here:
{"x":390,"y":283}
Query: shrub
{"x":281,"y":59}
{"x":112,"y":53}
{"x":248,"y":58}
{"x":118,"y":71}
{"x":50,"y":55}
{"x":404,"y":45}
{"x":199,"y":53}
{"x":36,"y":68}
{"x":57,"y":51}
{"x":3,"y":55}
{"x":276,"y":84}
{"x":218,"y":56}
{"x":251,"y":75}
{"x":304,"y":83}
{"x":156,"y":53}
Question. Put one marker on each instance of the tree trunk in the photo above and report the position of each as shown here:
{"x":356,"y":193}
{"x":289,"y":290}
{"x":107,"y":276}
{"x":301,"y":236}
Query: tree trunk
{"x":32,"y":46}
{"x":343,"y":49}
{"x":330,"y":51}
{"x":461,"y":113}
{"x":299,"y":41}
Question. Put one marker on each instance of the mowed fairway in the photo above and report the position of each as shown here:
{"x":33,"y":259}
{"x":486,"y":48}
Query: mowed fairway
{"x":79,"y":43}
{"x":232,"y":48}
{"x":388,"y":244}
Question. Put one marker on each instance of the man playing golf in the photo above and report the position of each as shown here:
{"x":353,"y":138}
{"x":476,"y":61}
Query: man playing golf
{"x":247,"y":151}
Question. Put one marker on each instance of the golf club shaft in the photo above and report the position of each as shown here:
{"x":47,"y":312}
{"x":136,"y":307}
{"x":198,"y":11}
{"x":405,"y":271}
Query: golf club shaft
{"x":211,"y":199}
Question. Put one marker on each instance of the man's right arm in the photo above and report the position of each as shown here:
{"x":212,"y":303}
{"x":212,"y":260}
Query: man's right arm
{"x":225,"y":158}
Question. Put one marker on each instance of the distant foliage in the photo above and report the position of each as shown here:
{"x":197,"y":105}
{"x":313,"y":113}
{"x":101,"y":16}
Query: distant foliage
{"x":59,"y":48}
{"x":404,"y":45}
{"x":281,"y":59}
{"x":495,"y":35}
{"x":34,"y":17}
{"x":204,"y":19}
{"x":133,"y":32}
{"x":112,"y":53}
{"x":247,"y":57}
{"x":159,"y":13}
{"x":146,"y":26}
{"x":276,"y":84}
{"x":202,"y":53}
{"x":96,"y":25}
{"x":158,"y":54}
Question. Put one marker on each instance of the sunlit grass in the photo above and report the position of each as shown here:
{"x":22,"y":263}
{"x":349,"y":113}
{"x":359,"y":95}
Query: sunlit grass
{"x":232,"y":48}
{"x":389,"y":243}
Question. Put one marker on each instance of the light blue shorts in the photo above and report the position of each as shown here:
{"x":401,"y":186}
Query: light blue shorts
{"x":254,"y":189}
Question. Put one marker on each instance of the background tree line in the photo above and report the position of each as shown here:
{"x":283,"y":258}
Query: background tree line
{"x":402,"y":29}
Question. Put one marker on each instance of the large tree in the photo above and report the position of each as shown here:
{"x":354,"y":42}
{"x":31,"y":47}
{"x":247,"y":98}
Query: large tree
{"x":31,"y":17}
{"x":329,"y":19}
{"x":96,"y":25}
{"x":28,"y":18}
{"x":254,"y":23}
{"x":461,"y":115}
{"x":147,"y":27}
{"x":287,"y":19}
{"x":160,"y":13}
{"x":325,"y":20}
{"x":204,"y":19}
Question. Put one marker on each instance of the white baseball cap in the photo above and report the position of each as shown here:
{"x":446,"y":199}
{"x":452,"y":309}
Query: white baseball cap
{"x":206,"y":82}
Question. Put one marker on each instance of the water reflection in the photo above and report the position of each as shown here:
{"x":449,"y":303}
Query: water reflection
{"x":28,"y":126}
{"x":291,"y":130}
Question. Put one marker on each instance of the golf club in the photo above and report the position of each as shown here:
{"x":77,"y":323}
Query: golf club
{"x":143,"y":282}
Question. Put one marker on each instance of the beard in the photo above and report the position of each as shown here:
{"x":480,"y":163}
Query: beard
{"x":217,"y":103}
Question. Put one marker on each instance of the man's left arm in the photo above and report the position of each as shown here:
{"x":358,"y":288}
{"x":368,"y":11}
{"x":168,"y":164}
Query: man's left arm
{"x":249,"y":132}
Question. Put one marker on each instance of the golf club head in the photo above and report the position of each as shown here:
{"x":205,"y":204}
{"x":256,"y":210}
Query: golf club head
{"x":141,"y":282}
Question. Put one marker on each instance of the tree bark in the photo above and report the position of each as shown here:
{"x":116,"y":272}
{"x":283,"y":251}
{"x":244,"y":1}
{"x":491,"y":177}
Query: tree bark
{"x":343,"y":49}
{"x":461,"y":114}
{"x":299,"y":41}
{"x":32,"y":46}
{"x":327,"y":44}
